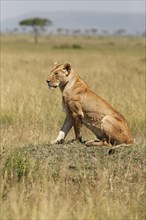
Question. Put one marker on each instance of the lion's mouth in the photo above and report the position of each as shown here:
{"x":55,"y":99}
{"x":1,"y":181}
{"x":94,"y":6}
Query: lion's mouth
{"x":51,"y":86}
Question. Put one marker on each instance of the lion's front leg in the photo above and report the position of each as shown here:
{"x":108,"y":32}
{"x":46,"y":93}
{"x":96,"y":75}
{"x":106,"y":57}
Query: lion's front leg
{"x":77,"y":123}
{"x":64,"y":130}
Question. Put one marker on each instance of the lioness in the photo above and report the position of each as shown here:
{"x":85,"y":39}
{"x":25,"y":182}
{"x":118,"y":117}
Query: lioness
{"x":83,"y":106}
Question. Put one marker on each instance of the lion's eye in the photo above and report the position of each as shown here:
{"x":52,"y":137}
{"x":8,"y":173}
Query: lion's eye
{"x":56,"y":74}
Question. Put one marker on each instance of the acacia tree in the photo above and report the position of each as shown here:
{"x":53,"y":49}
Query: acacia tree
{"x":120,"y":32}
{"x":38,"y":25}
{"x":94,"y":31}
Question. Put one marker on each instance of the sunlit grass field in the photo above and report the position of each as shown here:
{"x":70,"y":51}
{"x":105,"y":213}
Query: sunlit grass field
{"x":70,"y":181}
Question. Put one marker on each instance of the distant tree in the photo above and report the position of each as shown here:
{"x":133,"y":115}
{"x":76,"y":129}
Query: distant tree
{"x":94,"y":31}
{"x":60,"y":31}
{"x":76,"y":32}
{"x":120,"y":32}
{"x":37,"y":24}
{"x":16,"y":30}
{"x":87,"y":32}
{"x":105,"y":32}
{"x":67,"y":31}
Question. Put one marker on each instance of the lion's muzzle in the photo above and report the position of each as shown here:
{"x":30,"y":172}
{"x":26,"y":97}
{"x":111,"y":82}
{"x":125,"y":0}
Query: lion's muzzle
{"x":51,"y":85}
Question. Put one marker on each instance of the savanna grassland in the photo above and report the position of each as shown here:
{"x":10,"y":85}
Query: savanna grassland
{"x":70,"y":181}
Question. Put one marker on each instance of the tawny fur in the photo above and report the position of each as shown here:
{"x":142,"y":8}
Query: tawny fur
{"x":83,"y":106}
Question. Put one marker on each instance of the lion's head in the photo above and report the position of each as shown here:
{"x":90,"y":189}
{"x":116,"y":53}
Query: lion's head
{"x":59,"y":75}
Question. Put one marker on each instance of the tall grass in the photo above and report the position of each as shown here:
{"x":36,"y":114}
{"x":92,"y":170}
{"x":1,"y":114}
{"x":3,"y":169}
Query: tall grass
{"x":69,"y":181}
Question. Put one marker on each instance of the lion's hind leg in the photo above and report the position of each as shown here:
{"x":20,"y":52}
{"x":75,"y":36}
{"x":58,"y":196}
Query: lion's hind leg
{"x":97,"y":143}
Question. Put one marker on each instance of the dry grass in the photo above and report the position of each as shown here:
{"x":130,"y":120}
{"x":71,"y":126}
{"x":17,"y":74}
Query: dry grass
{"x":69,"y":181}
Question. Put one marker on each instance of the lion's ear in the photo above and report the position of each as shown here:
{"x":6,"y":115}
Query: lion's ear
{"x":67,"y":67}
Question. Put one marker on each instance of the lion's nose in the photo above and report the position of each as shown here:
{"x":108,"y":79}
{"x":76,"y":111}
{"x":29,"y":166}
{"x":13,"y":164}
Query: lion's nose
{"x":47,"y":81}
